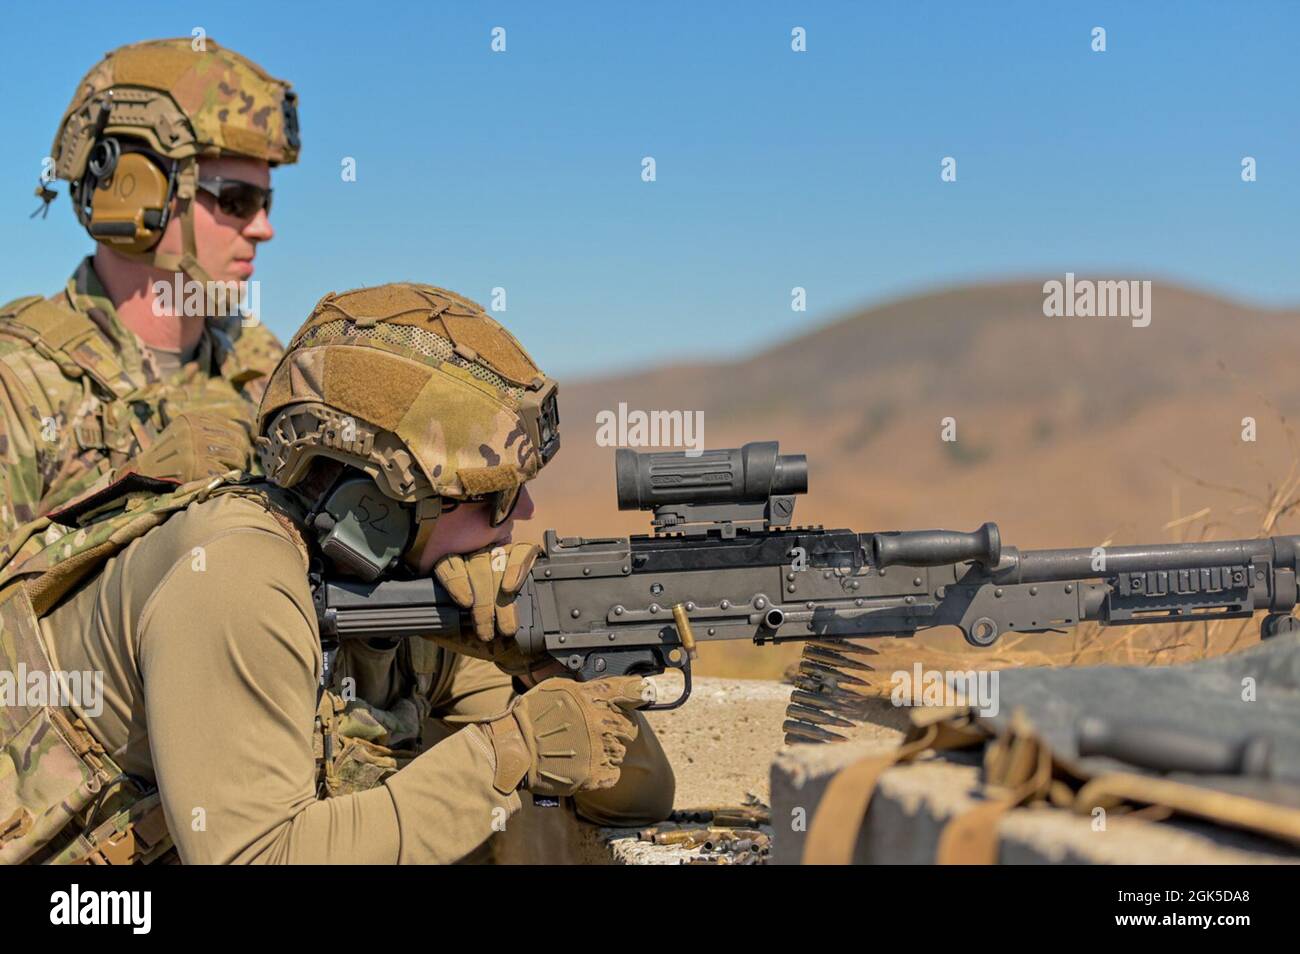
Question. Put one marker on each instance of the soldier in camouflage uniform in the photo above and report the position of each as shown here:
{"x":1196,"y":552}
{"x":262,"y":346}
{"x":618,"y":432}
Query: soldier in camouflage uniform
{"x":404,"y":409}
{"x":167,"y":150}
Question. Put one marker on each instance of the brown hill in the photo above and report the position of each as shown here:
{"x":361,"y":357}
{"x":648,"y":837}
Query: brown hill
{"x":1070,"y":431}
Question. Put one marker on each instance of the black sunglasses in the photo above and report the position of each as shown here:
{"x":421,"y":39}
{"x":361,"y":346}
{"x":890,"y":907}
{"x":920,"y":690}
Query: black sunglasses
{"x":503,"y":504}
{"x":237,"y":197}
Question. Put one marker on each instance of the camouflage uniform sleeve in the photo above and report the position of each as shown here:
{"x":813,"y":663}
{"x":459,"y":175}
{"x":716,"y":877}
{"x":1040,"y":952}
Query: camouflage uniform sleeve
{"x":257,"y":349}
{"x":21,"y":483}
{"x":230,"y":698}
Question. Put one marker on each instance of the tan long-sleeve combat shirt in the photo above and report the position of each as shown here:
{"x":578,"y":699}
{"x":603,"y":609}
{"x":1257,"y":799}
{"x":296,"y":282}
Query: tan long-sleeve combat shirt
{"x":205,"y":633}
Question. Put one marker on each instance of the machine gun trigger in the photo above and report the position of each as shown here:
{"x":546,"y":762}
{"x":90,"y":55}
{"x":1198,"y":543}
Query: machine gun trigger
{"x":639,"y":661}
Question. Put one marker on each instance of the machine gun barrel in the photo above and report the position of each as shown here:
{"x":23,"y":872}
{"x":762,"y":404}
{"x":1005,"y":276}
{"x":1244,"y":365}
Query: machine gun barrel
{"x":1038,"y":566}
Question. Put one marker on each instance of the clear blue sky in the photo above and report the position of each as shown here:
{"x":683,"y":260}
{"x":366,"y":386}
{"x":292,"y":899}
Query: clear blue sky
{"x":775,"y":168}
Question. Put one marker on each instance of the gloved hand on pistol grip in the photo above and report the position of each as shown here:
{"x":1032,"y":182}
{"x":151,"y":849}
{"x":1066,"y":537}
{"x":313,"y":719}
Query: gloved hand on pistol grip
{"x":563,"y":737}
{"x":486,"y":583}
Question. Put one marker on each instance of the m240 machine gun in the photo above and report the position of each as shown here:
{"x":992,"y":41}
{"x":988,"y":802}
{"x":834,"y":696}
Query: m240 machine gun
{"x":723,"y":561}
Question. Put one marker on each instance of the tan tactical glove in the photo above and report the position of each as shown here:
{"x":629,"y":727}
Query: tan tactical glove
{"x":486,"y":583}
{"x":563,"y":737}
{"x":196,"y":444}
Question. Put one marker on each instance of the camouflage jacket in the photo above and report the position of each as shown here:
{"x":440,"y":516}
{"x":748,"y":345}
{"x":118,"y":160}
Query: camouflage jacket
{"x":80,"y":394}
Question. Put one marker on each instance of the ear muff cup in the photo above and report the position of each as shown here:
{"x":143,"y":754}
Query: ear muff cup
{"x":128,"y":208}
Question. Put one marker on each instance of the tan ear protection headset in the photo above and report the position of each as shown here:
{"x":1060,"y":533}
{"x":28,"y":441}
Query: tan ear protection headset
{"x":124,"y":197}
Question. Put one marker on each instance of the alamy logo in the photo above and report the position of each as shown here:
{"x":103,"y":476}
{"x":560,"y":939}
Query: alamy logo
{"x":39,"y":687}
{"x":190,"y":299}
{"x":634,"y":428}
{"x":936,"y":687}
{"x":103,"y":907}
{"x":1088,"y":299}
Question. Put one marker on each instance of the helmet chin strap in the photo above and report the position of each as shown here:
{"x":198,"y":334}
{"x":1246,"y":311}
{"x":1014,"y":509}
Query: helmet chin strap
{"x":427,"y":510}
{"x":187,"y":190}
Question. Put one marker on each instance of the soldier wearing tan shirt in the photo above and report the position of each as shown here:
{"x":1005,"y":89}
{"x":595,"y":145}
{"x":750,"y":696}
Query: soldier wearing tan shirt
{"x":204,"y":628}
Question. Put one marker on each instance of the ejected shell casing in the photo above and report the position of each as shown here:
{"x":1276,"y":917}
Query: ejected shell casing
{"x":648,"y":834}
{"x":684,"y":631}
{"x":738,"y":831}
{"x":688,"y":839}
{"x":736,"y":845}
{"x":722,"y":839}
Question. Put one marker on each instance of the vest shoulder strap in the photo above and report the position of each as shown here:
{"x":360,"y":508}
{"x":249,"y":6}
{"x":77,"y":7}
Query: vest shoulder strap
{"x":52,"y":557}
{"x":69,"y":338}
{"x":55,"y":768}
{"x":11,"y":308}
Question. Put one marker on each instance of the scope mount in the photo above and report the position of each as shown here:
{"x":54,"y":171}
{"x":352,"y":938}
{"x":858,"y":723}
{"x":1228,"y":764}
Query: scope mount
{"x":696,"y":520}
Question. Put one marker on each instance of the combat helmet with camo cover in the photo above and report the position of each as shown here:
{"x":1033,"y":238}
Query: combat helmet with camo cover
{"x":181,"y":100}
{"x":413,"y":385}
{"x":419,"y":388}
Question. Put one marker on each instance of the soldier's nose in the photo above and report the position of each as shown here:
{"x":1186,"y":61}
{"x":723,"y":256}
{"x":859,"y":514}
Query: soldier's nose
{"x":525,"y":507}
{"x":259,"y":227}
